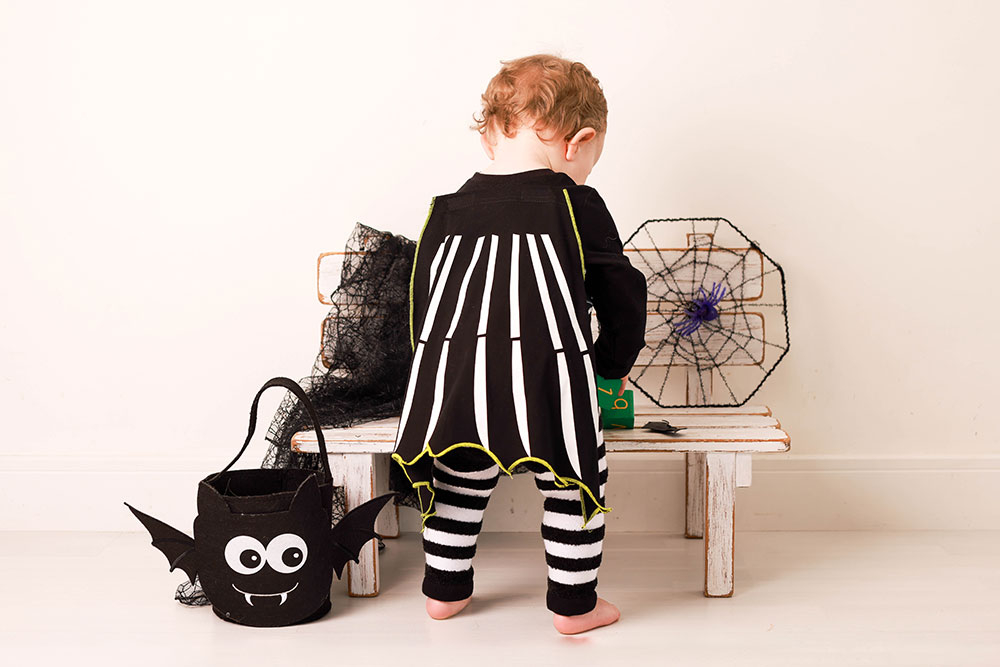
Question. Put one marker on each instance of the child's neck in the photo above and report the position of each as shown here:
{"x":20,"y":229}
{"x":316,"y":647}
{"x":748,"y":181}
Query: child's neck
{"x":513,"y":166}
{"x":522,"y":152}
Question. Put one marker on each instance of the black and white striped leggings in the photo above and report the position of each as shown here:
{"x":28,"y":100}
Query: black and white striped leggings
{"x":464,"y":478}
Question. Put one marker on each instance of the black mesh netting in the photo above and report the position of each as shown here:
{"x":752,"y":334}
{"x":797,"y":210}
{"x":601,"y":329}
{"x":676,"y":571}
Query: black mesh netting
{"x":361,"y":370}
{"x":191,"y":594}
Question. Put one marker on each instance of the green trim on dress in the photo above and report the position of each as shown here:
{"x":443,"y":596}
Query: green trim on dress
{"x":413,"y":271}
{"x":561,"y":481}
{"x":579,"y":243}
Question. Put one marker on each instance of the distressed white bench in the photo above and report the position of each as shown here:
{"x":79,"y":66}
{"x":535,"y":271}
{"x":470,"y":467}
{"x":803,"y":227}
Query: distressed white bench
{"x":717,"y":443}
{"x":360,"y":464}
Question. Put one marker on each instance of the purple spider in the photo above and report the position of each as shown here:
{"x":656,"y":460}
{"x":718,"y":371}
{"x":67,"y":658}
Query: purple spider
{"x":700,"y":309}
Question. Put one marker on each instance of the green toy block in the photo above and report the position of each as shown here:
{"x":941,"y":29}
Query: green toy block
{"x":616,"y":411}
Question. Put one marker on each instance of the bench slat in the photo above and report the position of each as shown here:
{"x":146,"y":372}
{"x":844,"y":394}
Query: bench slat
{"x":702,"y":433}
{"x":698,"y":440}
{"x":645,"y":408}
{"x":709,"y":421}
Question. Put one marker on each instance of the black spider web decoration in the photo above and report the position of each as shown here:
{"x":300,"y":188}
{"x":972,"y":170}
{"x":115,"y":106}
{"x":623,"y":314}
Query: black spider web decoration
{"x":718,"y":311}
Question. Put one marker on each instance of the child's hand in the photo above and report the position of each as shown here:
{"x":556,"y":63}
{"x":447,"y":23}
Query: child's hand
{"x":622,"y":389}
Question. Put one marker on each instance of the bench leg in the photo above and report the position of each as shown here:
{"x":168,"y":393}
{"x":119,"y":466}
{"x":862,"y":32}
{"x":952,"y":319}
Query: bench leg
{"x":694,"y":495}
{"x":744,"y":469}
{"x":720,"y":523}
{"x":387,"y":524}
{"x":359,"y":487}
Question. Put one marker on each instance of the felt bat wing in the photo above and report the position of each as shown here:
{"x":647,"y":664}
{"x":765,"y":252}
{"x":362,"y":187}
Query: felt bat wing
{"x":175,"y":545}
{"x":663,"y":427}
{"x":355,"y":530}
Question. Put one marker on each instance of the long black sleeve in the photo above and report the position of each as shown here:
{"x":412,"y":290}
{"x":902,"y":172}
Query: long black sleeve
{"x":616,"y":289}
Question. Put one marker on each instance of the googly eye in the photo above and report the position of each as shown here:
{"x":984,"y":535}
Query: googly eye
{"x":287,"y":553}
{"x":245,"y":554}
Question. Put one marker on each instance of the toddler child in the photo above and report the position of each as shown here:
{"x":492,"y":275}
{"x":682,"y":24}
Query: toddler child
{"x":502,"y":377}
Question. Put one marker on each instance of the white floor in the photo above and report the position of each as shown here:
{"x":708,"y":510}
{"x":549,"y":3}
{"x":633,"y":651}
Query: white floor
{"x":802,"y":598}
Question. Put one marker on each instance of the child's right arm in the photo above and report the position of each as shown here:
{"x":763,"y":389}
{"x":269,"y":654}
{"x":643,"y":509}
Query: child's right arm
{"x":615,"y":287}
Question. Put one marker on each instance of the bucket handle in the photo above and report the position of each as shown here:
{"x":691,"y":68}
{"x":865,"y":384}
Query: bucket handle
{"x":293,"y":387}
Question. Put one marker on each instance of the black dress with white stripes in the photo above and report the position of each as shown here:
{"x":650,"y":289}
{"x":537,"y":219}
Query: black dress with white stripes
{"x":503,"y":357}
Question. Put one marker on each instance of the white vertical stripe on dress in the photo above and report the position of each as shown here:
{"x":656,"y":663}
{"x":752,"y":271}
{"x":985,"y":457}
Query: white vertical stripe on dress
{"x":515,"y":305}
{"x":543,"y":292}
{"x":488,"y":286}
{"x":479,"y":390}
{"x":443,"y":360}
{"x":565,"y":395}
{"x":517,"y":370}
{"x":564,"y":290}
{"x":434,"y":263}
{"x":418,"y":355}
{"x":571,"y":313}
{"x":460,"y":304}
{"x":414,"y":368}
{"x":438,"y":393}
{"x":592,"y":388}
{"x":439,"y":288}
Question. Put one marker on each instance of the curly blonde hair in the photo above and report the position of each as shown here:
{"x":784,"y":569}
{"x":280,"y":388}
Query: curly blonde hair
{"x":543,"y":91}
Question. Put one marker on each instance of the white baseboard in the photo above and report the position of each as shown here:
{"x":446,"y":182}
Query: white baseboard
{"x":645,"y":492}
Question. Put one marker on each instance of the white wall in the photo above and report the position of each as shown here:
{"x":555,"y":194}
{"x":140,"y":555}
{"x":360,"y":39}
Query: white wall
{"x":170,"y":171}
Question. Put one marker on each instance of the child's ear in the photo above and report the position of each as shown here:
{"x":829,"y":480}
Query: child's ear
{"x":573,"y":145}
{"x":585,"y":134}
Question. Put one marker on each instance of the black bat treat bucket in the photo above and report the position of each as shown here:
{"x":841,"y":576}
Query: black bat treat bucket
{"x":263,"y":547}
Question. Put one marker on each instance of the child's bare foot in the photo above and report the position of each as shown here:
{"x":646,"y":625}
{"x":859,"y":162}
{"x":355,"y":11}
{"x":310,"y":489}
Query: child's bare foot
{"x":439,"y":610}
{"x":604,"y":613}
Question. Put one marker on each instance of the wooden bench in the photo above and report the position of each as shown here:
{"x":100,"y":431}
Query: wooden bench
{"x":717,"y":443}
